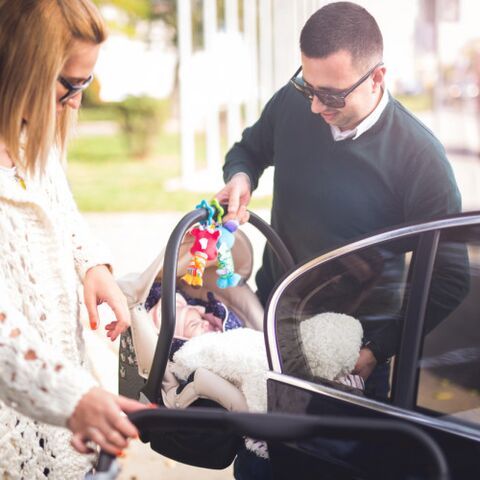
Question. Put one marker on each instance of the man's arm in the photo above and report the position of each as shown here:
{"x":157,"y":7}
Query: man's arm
{"x":246,"y":161}
{"x":430,"y":193}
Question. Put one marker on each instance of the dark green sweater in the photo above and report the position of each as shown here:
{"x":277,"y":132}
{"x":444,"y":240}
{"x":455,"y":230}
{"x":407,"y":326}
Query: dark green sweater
{"x":327,"y":193}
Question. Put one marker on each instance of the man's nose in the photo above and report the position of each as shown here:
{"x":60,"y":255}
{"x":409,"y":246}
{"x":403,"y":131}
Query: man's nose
{"x":317,"y":106}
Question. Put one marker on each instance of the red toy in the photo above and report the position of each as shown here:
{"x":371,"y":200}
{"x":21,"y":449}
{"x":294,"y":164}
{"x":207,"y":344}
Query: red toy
{"x":204,"y":248}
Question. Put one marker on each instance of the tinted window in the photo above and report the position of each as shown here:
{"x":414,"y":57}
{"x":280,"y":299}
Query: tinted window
{"x":370,"y":284}
{"x":449,"y":373}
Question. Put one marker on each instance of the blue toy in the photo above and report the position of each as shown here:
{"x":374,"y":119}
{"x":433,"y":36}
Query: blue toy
{"x":226,"y":269}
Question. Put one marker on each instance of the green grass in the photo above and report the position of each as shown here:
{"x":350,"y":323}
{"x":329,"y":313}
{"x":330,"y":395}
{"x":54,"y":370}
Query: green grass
{"x":105,"y":179}
{"x":416,"y":103}
{"x":104,"y":113}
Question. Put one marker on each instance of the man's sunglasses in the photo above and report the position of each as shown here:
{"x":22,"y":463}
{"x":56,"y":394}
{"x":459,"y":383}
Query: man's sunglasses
{"x":73,"y":90}
{"x":333,"y":99}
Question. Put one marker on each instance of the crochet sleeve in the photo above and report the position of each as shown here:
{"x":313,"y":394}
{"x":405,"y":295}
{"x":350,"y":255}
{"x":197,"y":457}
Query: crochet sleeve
{"x":34,"y":379}
{"x":87,"y":250}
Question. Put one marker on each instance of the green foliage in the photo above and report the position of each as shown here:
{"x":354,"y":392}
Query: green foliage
{"x":416,"y":103}
{"x":141,"y":119}
{"x":135,"y":9}
{"x":102,"y":113}
{"x":91,"y":96}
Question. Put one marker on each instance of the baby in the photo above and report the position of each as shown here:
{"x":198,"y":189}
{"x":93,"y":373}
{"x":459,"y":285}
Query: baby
{"x":193,"y":316}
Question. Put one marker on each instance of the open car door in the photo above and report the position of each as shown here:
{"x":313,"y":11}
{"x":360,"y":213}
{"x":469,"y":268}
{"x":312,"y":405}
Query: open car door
{"x":416,"y":291}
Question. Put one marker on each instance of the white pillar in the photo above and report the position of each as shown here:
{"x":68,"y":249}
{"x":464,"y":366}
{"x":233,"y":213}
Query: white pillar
{"x":285,"y":43}
{"x":250,"y":32}
{"x":187,"y":131}
{"x":233,"y":106}
{"x":212,"y":125}
{"x":266,"y":50}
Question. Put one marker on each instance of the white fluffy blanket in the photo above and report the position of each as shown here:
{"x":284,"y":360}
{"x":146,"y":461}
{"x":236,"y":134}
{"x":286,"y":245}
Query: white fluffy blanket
{"x":331,"y":343}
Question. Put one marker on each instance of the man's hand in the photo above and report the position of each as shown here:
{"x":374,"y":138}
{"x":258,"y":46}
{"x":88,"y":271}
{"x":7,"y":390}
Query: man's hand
{"x":99,"y":417}
{"x":237,"y":194}
{"x":366,"y":362}
{"x":99,"y":286}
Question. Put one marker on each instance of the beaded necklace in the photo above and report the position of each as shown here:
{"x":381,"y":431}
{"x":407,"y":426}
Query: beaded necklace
{"x":20,"y":181}
{"x":12,"y":172}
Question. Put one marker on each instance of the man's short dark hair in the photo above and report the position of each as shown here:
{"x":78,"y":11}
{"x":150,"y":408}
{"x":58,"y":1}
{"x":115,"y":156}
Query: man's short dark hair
{"x":342,"y":26}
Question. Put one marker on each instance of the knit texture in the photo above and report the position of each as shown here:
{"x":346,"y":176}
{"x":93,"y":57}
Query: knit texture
{"x":45,"y":251}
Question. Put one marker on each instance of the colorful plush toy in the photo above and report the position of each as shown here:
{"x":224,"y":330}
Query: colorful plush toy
{"x":227,"y":276}
{"x":204,"y":248}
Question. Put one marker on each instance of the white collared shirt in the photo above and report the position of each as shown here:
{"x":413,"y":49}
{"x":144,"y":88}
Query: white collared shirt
{"x":364,"y":125}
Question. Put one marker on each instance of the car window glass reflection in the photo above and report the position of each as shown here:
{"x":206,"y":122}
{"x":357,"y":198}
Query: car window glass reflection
{"x":371,"y":284}
{"x":449,"y":380}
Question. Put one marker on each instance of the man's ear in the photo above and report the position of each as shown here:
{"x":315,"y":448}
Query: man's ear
{"x":378,"y":78}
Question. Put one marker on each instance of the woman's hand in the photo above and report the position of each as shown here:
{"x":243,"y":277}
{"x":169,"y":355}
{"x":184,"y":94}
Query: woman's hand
{"x":100,"y":417}
{"x":100,"y":286}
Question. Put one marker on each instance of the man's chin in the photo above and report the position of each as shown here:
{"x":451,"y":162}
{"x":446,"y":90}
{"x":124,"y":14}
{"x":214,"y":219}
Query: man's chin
{"x":329,"y":117}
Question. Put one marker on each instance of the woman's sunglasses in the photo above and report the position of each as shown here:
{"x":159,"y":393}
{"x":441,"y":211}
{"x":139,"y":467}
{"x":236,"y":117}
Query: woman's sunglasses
{"x":73,"y":90}
{"x":333,"y":99}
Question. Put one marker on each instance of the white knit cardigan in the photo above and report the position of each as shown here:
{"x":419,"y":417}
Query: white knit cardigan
{"x":45,"y":251}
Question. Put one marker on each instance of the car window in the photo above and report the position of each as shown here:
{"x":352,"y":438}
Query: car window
{"x":371,"y":284}
{"x":449,"y":366}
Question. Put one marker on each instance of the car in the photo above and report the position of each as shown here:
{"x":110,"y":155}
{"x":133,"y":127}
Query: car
{"x":420,"y":284}
{"x":416,"y":290}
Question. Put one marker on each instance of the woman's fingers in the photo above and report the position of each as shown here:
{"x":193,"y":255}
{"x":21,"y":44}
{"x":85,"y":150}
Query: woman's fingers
{"x":91,"y":305}
{"x":108,"y":440}
{"x":99,"y":416}
{"x":122,"y":425}
{"x":104,"y":435}
{"x":122,"y":315}
{"x":80,"y":444}
{"x":99,"y":287}
{"x":113,"y":437}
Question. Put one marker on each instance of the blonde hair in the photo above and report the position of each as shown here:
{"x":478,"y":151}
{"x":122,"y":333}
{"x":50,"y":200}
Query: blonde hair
{"x":36,"y":37}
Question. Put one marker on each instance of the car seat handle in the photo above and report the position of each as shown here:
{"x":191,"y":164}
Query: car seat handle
{"x":152,"y":388}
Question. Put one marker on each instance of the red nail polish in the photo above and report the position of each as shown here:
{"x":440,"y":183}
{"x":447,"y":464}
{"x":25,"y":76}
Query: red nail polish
{"x":93,"y":325}
{"x":120,"y":453}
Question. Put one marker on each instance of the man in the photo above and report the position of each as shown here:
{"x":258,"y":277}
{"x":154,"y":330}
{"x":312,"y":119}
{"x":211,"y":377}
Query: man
{"x":349,"y":159}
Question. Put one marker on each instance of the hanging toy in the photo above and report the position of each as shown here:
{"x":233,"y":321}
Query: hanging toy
{"x":204,"y":248}
{"x":210,"y":208}
{"x":225,"y":266}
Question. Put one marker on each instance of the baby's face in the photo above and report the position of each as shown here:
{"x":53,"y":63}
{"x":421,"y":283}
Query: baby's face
{"x":196,"y":325}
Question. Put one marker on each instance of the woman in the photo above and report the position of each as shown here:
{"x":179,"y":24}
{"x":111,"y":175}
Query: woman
{"x":48,"y":49}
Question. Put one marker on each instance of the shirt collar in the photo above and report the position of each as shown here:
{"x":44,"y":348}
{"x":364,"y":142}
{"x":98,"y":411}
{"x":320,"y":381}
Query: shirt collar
{"x":364,"y":125}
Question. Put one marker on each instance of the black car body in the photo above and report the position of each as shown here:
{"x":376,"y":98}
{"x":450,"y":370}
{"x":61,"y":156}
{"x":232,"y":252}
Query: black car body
{"x":420,"y":285}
